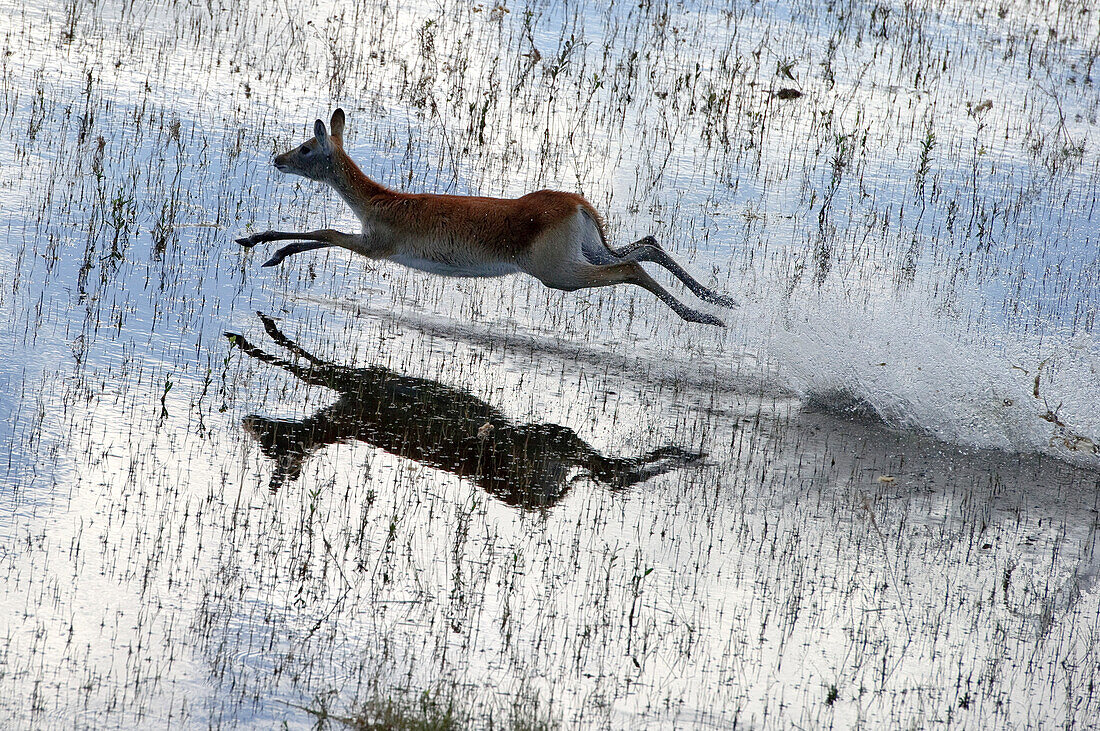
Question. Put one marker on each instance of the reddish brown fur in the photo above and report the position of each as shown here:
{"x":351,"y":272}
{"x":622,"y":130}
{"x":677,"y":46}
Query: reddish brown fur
{"x":503,"y":226}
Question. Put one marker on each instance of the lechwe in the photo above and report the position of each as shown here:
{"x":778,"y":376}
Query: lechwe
{"x":555,"y":237}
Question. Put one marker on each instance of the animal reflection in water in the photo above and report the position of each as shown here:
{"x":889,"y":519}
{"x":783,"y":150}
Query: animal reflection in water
{"x":524,"y":465}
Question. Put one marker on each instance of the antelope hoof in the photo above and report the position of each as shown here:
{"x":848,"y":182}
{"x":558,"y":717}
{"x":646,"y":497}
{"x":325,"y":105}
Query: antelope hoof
{"x":273,"y":261}
{"x":704,"y":319}
{"x":248,"y":241}
{"x":723,"y":300}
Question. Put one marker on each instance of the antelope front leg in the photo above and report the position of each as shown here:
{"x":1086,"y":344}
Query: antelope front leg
{"x":310,"y":240}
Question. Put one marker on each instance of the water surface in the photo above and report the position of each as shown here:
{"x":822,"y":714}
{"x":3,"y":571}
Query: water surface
{"x":872,"y":499}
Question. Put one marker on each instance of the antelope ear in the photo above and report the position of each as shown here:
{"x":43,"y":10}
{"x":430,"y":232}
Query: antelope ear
{"x":337,"y":126}
{"x":322,"y":137}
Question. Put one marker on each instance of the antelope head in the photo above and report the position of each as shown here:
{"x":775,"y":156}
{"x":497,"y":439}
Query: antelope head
{"x":316,"y":157}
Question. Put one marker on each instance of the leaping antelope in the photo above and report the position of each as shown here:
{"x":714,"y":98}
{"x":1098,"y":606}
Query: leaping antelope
{"x":558,"y":238}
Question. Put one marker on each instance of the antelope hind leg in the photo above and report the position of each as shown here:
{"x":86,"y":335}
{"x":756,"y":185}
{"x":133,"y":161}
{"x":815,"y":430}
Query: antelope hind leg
{"x":647,"y":249}
{"x":630,"y":272}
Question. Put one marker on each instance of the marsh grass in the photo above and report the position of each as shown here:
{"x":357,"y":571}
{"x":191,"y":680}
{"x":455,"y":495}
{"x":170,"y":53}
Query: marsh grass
{"x":439,"y":709}
{"x":400,"y":711}
{"x":895,"y":522}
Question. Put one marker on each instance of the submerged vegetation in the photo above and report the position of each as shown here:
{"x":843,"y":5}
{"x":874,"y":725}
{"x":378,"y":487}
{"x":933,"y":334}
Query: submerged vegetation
{"x":390,"y":709}
{"x":872,"y":500}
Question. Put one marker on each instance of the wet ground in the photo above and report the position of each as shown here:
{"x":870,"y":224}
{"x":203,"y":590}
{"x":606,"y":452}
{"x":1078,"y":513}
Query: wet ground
{"x":243,"y":497}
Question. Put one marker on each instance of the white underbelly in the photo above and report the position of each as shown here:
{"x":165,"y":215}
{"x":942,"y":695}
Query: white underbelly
{"x":456,"y":269}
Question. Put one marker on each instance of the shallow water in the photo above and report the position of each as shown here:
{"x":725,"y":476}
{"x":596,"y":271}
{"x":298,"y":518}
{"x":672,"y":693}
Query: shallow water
{"x":894,"y":522}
